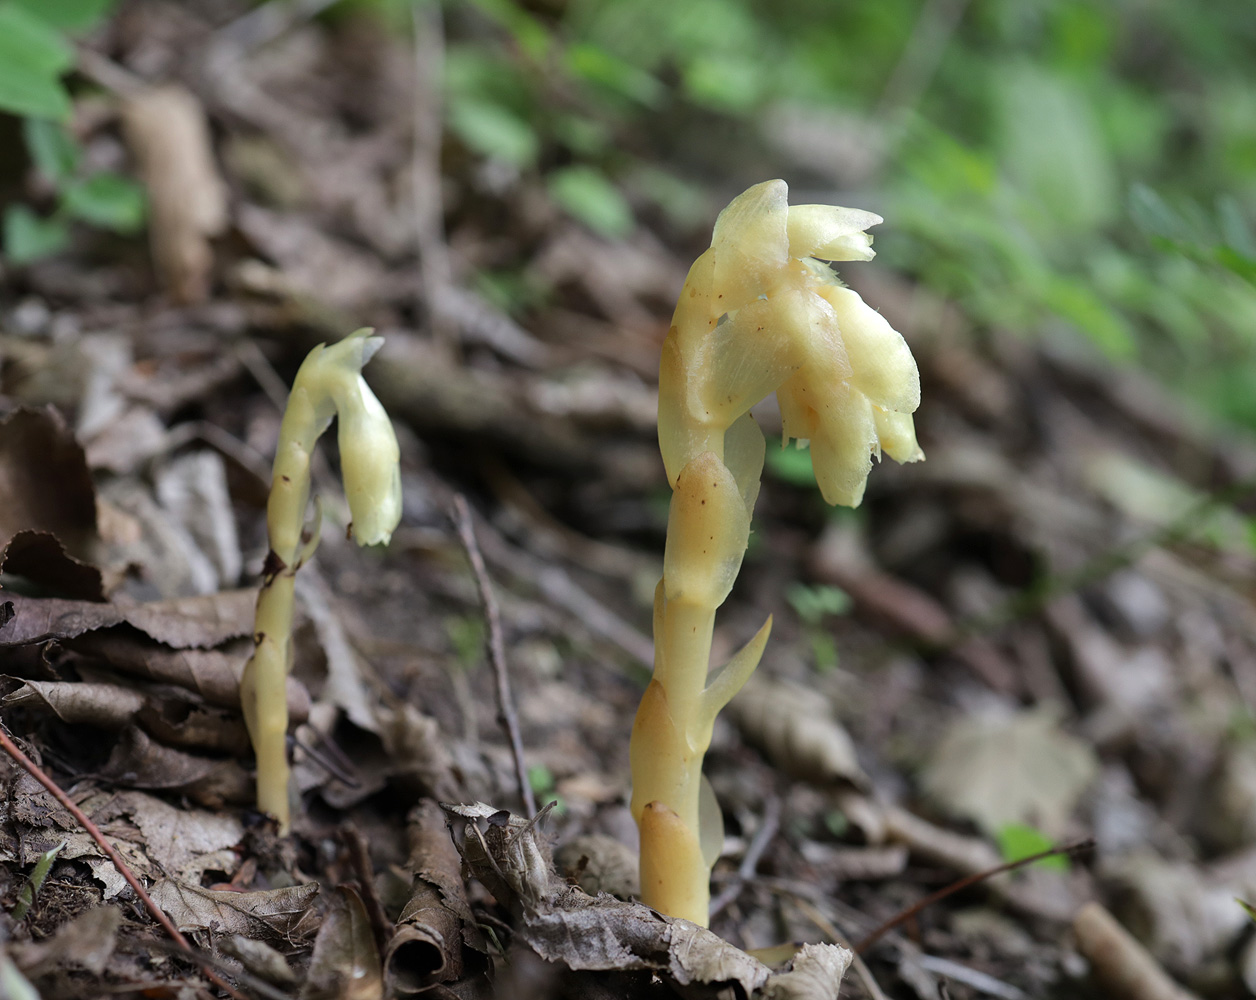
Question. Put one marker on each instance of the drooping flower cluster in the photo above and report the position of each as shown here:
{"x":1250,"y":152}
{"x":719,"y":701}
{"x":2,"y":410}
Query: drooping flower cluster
{"x":760,"y":313}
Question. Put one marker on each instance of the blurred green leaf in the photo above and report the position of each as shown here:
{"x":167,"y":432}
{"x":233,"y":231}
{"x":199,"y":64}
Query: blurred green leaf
{"x":812,"y":603}
{"x":52,"y":148}
{"x":603,"y":68}
{"x":68,"y":15}
{"x":494,"y":131}
{"x":790,"y":464}
{"x":1017,"y":841}
{"x":27,"y":237}
{"x":586,"y":194}
{"x":106,"y":200}
{"x":32,"y":58}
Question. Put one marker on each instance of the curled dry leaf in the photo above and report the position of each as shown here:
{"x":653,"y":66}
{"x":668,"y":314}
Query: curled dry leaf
{"x":281,"y":914}
{"x":1123,"y":967}
{"x":345,"y":964}
{"x":795,"y":729}
{"x":436,"y":922}
{"x":561,"y":923}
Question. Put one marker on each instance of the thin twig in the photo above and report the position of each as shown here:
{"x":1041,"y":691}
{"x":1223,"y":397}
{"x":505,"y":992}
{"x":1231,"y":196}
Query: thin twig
{"x":750,"y":861}
{"x":360,"y":857}
{"x":435,"y":273}
{"x":969,"y":880}
{"x":496,"y":648}
{"x":36,"y":772}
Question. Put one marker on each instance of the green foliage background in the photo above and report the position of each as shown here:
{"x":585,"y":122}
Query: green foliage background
{"x":1052,"y":165}
{"x":1055,"y":166}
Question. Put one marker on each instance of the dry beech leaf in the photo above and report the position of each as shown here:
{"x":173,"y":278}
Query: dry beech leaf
{"x":184,"y":622}
{"x":563,"y":924}
{"x":107,"y":706}
{"x":793,"y":726}
{"x":345,"y":964}
{"x":1019,"y":768}
{"x":283,"y":914}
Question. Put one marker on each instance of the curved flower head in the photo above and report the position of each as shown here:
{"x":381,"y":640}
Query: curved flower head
{"x":759,"y":314}
{"x":369,"y":455}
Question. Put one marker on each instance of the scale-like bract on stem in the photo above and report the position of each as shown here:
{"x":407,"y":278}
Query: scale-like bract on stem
{"x":759,"y":313}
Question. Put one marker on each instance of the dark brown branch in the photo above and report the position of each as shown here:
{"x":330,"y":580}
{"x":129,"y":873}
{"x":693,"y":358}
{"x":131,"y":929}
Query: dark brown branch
{"x":36,"y":772}
{"x":969,"y":880}
{"x":506,"y":715}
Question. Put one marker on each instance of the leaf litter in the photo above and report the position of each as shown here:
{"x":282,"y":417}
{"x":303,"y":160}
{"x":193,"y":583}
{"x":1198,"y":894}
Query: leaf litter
{"x":132,"y":536}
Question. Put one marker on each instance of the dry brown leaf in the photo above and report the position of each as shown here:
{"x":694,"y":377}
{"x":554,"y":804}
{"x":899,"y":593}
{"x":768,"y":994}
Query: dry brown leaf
{"x":168,"y":132}
{"x":108,"y":706}
{"x":795,"y":728}
{"x":139,"y":761}
{"x":184,"y":622}
{"x":214,"y":674}
{"x":152,"y":836}
{"x":1019,"y":768}
{"x":815,"y":974}
{"x":39,"y":556}
{"x":599,"y":863}
{"x":44,"y":481}
{"x":259,"y":958}
{"x":345,"y":964}
{"x":86,"y":942}
{"x":283,"y":914}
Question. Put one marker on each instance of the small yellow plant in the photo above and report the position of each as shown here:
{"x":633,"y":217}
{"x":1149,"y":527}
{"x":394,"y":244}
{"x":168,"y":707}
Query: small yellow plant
{"x":329,"y":384}
{"x":759,"y":313}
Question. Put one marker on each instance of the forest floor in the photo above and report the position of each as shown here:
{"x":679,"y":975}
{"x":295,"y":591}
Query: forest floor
{"x":1042,"y":634}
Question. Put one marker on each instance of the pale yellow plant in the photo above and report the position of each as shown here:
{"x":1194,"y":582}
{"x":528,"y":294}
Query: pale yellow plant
{"x":759,"y":313}
{"x":328,"y":384}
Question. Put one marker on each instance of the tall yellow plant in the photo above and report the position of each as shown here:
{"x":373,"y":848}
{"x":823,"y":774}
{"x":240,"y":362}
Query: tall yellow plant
{"x":759,"y":313}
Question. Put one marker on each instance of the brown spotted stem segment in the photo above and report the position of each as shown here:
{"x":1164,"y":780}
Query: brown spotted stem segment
{"x":759,"y":313}
{"x":328,"y":385}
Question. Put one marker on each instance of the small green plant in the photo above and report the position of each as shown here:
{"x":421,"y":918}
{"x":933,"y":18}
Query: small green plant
{"x":759,"y":313}
{"x":35,"y":53}
{"x":1017,"y":841}
{"x":328,"y":385}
